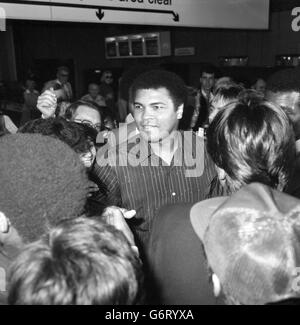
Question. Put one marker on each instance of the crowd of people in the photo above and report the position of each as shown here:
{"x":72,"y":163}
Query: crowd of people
{"x":195,"y":200}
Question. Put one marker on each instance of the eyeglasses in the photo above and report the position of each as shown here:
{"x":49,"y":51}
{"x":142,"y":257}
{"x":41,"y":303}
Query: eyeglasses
{"x":64,"y":75}
{"x":109,"y":77}
{"x":96,"y":126}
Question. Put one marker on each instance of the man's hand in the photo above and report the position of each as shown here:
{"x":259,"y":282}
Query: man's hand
{"x":47,"y":103}
{"x":116,"y":217}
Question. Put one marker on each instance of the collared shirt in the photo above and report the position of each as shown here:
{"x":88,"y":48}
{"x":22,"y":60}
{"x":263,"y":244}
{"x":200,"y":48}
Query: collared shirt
{"x":135,"y":178}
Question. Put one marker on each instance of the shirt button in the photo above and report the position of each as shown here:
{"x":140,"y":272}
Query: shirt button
{"x":173,"y":194}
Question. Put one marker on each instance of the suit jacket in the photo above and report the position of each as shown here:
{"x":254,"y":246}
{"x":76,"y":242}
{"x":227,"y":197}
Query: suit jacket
{"x":195,"y":113}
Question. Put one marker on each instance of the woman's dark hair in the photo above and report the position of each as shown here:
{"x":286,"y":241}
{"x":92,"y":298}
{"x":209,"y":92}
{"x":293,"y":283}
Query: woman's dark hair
{"x":252,"y":142}
{"x":79,"y":137}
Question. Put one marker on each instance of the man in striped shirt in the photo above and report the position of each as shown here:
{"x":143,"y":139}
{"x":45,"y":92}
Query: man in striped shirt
{"x":160,"y":165}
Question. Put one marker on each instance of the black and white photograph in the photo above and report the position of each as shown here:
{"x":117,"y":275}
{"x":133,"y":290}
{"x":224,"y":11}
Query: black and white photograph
{"x":150,"y":155}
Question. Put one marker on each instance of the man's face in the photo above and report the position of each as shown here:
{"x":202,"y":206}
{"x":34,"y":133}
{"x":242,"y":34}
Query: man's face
{"x":63,"y":76}
{"x":207,"y":81}
{"x":260,"y":86}
{"x":88,"y":116}
{"x":88,"y":158}
{"x":94,"y":91}
{"x":155,"y":113}
{"x":290,"y":102}
{"x":108,"y":78}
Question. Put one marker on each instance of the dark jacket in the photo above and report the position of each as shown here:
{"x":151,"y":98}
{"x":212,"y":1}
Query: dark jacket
{"x":189,"y":110}
{"x":177,"y":262}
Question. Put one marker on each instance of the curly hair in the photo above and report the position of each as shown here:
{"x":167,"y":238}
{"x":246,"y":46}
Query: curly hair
{"x":79,"y":137}
{"x":43,"y":182}
{"x":156,"y":79}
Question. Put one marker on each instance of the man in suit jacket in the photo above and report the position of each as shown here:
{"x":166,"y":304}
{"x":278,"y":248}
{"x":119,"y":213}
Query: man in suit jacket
{"x":197,"y":109}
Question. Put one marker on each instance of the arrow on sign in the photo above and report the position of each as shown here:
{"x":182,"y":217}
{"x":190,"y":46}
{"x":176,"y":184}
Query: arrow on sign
{"x":100,"y":14}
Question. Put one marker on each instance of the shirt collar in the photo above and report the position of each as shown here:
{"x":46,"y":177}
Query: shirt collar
{"x":184,"y":155}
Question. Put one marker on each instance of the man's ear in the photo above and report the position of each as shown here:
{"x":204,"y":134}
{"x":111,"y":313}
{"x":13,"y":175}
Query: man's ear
{"x":221,"y":175}
{"x":179,"y":112}
{"x":217,"y":285}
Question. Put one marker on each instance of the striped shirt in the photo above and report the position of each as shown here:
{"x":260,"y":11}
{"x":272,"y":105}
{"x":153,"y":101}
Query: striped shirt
{"x":135,"y":178}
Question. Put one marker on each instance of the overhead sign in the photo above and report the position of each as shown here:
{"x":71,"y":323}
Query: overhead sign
{"x":2,"y":20}
{"x":236,"y":14}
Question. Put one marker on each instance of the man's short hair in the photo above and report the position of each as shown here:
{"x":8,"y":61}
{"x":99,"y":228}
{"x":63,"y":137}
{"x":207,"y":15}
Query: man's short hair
{"x":43,"y":182}
{"x":287,"y":80}
{"x":71,"y":110}
{"x":80,"y":262}
{"x":253,"y":142}
{"x":209,"y":69}
{"x":63,"y":69}
{"x":156,"y":79}
{"x":79,"y":137}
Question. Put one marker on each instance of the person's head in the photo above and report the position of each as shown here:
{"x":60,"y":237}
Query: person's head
{"x":43,"y":182}
{"x":252,"y":244}
{"x":63,"y":74}
{"x":225,"y":81}
{"x":94,"y":90}
{"x":84,"y":112}
{"x":252,"y":142}
{"x":207,"y":78}
{"x":107,"y":77}
{"x":157,"y":99}
{"x":80,"y":262}
{"x":260,"y":85}
{"x":80,"y":137}
{"x":283,"y":89}
{"x":223,"y":96}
